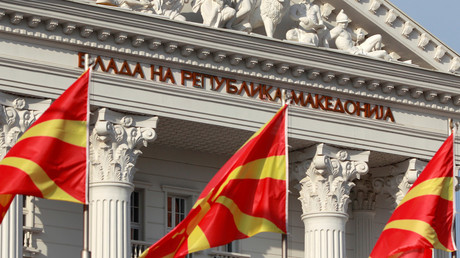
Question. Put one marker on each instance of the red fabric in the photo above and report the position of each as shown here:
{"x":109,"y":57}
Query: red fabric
{"x":64,"y":163}
{"x":257,"y":198}
{"x":427,"y":207}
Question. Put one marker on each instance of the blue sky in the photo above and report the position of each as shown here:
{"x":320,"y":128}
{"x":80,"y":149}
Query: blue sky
{"x":441,"y":18}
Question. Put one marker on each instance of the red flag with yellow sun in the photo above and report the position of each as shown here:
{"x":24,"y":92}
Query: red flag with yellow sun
{"x":50,"y":159}
{"x":423,"y":220}
{"x":246,"y":196}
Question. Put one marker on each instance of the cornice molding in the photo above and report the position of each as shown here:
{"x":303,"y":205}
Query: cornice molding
{"x":153,"y":36}
{"x":239,"y":103}
{"x":156,"y":31}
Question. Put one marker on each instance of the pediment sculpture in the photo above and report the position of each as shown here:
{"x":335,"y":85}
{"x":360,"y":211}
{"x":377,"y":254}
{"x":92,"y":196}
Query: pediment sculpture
{"x":347,"y":40}
{"x":242,"y":15}
{"x":167,"y":8}
{"x":311,"y":26}
{"x":247,"y":15}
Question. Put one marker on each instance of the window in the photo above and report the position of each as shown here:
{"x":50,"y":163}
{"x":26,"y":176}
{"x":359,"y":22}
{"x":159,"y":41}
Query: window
{"x":136,"y":211}
{"x":178,"y":202}
{"x":176,"y":210}
{"x":29,"y":231}
{"x":228,"y":248}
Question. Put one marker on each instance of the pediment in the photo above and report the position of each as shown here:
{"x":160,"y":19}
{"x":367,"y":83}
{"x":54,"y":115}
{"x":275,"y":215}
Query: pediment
{"x":400,"y":34}
{"x":403,"y":39}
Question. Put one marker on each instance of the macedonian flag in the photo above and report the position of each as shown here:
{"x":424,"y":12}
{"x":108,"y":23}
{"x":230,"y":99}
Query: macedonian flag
{"x":50,"y":158}
{"x":424,"y":218}
{"x":246,"y":196}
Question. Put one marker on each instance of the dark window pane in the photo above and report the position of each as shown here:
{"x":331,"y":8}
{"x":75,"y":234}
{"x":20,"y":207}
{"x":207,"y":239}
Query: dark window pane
{"x":169,"y":219}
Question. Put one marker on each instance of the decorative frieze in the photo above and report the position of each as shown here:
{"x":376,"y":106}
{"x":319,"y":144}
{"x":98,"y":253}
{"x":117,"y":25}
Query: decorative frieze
{"x":137,"y":41}
{"x":115,"y":142}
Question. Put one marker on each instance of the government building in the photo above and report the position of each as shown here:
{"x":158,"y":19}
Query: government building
{"x":179,"y":85}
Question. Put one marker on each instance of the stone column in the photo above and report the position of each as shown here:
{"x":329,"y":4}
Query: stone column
{"x":363,"y":203}
{"x":16,"y":115}
{"x":327,"y":179}
{"x":114,"y":143}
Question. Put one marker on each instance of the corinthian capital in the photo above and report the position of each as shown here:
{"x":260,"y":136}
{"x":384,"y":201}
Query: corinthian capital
{"x":363,"y":194}
{"x":115,"y":142}
{"x":16,"y":115}
{"x":398,"y":179}
{"x":327,"y":176}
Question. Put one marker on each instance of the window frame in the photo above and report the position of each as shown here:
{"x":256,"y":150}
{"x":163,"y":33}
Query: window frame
{"x":141,"y":210}
{"x":190,"y":196}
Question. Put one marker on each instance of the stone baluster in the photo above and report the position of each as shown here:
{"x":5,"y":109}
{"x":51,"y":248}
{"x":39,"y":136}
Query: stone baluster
{"x":325,"y":187}
{"x":114,"y":144}
{"x":16,"y":115}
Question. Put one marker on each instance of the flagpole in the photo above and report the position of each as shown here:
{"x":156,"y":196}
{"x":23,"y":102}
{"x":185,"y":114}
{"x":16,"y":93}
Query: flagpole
{"x":284,"y":242}
{"x":452,"y":130}
{"x":85,"y":253}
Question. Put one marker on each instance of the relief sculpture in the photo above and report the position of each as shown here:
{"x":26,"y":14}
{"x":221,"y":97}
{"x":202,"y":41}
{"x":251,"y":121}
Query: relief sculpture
{"x":247,"y":15}
{"x":310,"y":23}
{"x":167,"y":8}
{"x":342,"y":38}
{"x":242,"y":15}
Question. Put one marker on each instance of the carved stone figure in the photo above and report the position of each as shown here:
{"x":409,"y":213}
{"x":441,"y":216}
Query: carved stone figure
{"x":243,"y":15}
{"x":310,"y":23}
{"x":167,"y":8}
{"x":267,"y":13}
{"x":135,"y":5}
{"x":346,"y":40}
{"x":215,"y":13}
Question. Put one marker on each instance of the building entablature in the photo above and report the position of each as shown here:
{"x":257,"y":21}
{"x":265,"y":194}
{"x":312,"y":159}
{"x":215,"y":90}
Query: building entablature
{"x":134,"y":36}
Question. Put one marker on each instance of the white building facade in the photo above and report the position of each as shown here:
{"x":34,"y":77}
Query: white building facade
{"x":179,"y":86}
